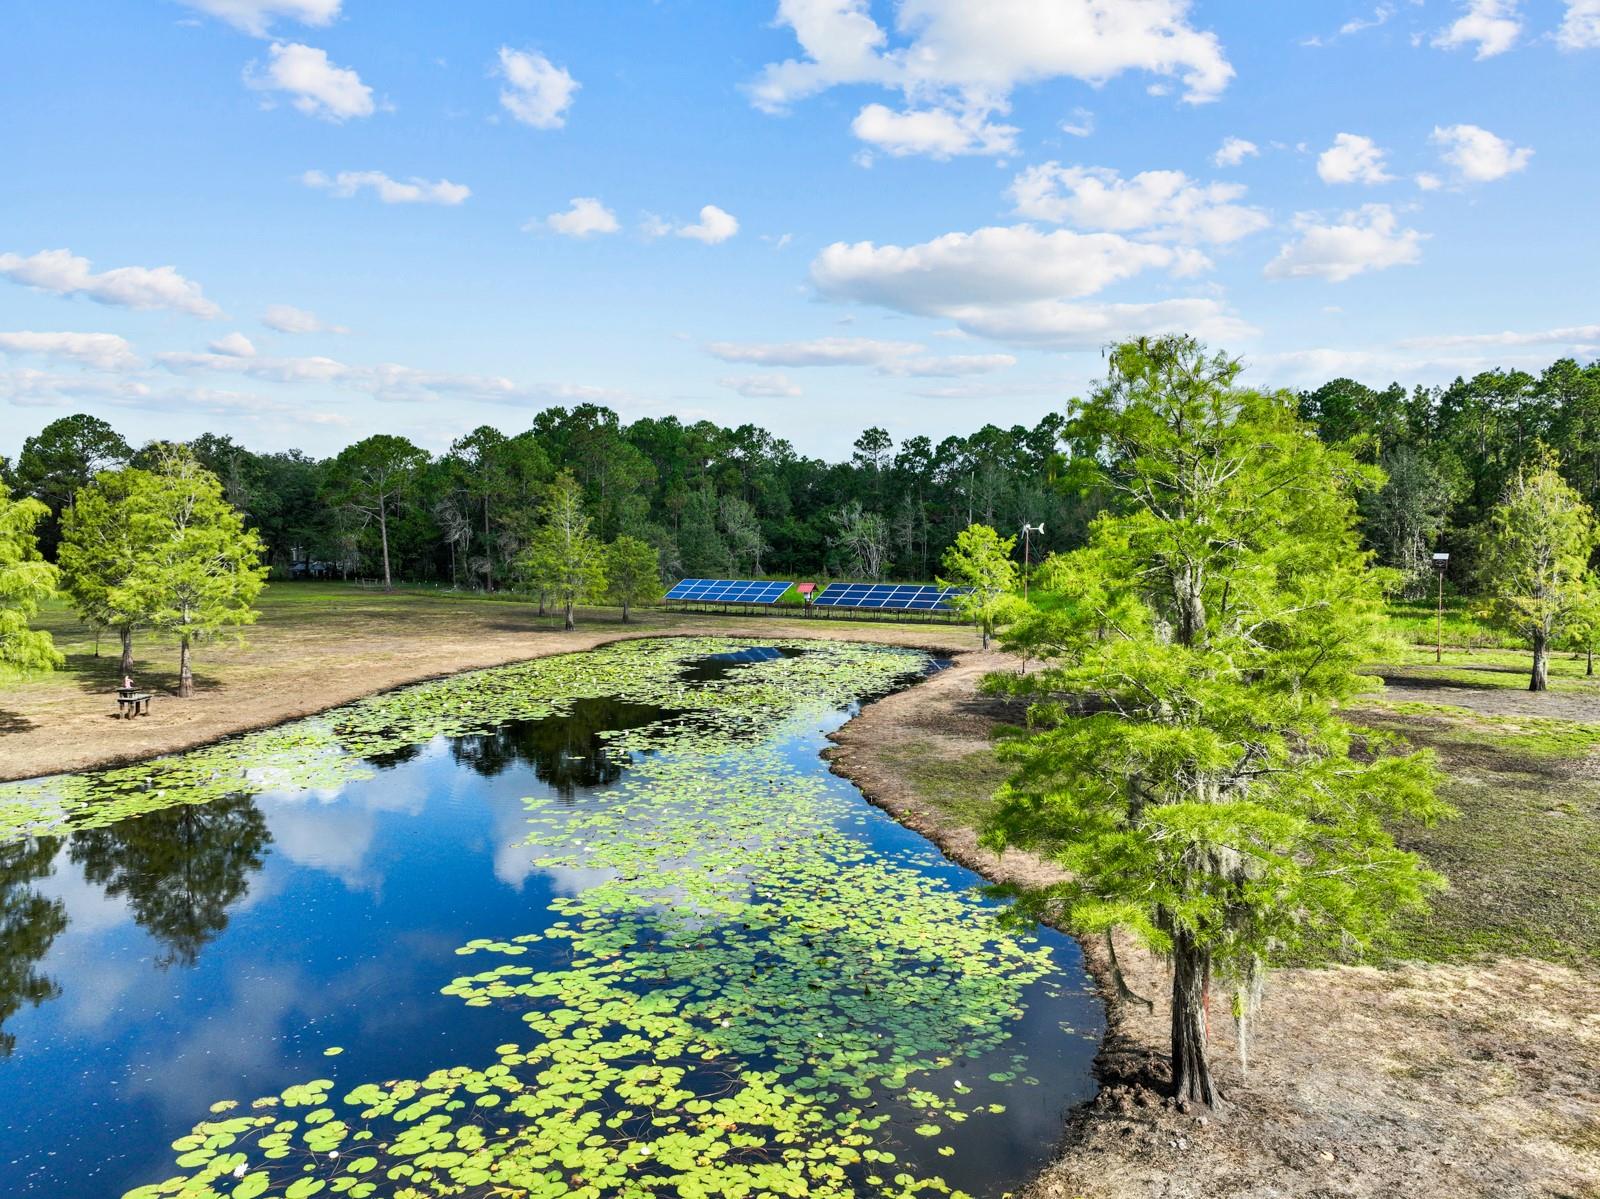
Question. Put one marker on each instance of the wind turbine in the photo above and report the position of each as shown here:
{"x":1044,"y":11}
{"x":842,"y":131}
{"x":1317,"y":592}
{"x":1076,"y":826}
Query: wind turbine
{"x":1027,"y":545}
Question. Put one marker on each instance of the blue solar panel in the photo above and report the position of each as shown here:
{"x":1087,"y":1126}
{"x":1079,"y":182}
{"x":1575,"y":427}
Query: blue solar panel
{"x":728,"y":591}
{"x":888,"y":597}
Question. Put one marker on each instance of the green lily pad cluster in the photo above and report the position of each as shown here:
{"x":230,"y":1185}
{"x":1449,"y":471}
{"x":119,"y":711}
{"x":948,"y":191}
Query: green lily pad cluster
{"x":750,"y":1001}
{"x":332,"y":749}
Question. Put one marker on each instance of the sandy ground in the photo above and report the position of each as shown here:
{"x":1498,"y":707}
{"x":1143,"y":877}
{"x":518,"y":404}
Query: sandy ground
{"x":69,"y":722}
{"x":1429,"y":1082}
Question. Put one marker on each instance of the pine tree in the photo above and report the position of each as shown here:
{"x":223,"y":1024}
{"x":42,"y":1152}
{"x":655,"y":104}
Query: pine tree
{"x":371,"y":478}
{"x":1185,"y":763}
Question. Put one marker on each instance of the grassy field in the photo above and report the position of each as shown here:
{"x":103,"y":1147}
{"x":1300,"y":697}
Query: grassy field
{"x":1522,"y":857}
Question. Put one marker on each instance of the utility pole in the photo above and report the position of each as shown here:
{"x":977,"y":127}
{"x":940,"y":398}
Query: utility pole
{"x":1027,"y":546}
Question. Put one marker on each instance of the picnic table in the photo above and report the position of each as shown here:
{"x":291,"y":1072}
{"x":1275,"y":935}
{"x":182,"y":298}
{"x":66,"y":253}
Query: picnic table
{"x":132,"y":702}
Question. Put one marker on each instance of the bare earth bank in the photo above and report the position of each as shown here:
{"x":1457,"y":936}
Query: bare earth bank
{"x":1428,"y":1081}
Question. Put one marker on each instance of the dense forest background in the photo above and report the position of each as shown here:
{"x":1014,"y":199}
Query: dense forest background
{"x":720,"y":501}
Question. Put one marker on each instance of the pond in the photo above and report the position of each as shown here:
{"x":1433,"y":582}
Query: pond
{"x":600,"y":924}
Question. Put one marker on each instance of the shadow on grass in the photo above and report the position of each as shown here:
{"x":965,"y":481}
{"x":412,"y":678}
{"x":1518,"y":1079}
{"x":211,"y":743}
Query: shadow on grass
{"x":1425,"y":682}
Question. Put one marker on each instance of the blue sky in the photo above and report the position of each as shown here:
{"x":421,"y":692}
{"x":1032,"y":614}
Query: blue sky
{"x":302,"y":221}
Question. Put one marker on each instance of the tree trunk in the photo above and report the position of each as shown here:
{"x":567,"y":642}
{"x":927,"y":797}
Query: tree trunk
{"x":570,"y":623}
{"x":624,"y":611}
{"x":1541,"y":667}
{"x":1191,"y":1069}
{"x":126,"y":666}
{"x":185,"y":676}
{"x":1590,"y":669}
{"x":984,"y":629}
{"x":1191,"y":607}
{"x":488,"y":550}
{"x":383,"y":531}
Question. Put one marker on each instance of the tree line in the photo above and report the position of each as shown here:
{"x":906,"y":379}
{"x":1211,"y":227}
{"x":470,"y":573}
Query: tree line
{"x":716,"y":501}
{"x":712,"y":501}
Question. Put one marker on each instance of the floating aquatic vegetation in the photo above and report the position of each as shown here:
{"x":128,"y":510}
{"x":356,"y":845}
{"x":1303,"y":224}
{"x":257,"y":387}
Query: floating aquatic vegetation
{"x":751,"y":1002}
{"x":334,"y":748}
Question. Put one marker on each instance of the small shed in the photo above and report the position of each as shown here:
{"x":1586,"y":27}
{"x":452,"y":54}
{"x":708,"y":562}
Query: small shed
{"x":807,"y":592}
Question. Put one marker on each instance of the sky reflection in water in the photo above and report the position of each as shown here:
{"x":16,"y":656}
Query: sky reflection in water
{"x":217,"y":950}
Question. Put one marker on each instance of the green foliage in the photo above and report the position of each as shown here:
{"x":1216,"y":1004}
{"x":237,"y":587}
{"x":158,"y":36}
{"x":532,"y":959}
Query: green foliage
{"x":563,"y":560}
{"x":1534,"y":558}
{"x":372,"y":478}
{"x":980,"y":560}
{"x":1184,"y":761}
{"x":633,"y":573}
{"x":101,"y":546}
{"x":26,"y":581}
{"x":62,"y":458}
{"x":197,"y":570}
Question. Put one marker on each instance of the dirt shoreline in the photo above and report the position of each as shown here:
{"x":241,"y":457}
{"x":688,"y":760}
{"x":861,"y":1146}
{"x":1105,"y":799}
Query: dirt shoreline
{"x":81,"y":731}
{"x":1428,"y":1081}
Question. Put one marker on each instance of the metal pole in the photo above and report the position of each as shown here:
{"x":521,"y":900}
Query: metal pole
{"x":1438,"y":647}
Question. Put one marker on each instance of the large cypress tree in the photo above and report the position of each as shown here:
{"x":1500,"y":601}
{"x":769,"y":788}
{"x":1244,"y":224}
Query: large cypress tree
{"x":1185,"y":762}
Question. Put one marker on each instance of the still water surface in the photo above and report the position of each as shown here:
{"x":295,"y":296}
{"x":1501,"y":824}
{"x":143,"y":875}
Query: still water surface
{"x":153,"y":966}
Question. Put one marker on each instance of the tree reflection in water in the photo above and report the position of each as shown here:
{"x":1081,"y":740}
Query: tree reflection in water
{"x":567,"y":752}
{"x":179,"y":869}
{"x":29,"y":924}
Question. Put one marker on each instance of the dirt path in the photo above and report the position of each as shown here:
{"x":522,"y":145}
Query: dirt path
{"x":1429,"y":1082}
{"x":293,"y":669}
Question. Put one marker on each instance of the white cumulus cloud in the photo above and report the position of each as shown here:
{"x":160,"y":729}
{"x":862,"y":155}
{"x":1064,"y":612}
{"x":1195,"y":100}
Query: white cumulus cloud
{"x":1016,"y":284}
{"x":1493,"y":26}
{"x":1166,"y":205}
{"x":286,"y":318}
{"x":714,"y":226}
{"x":1368,"y":239}
{"x":1477,"y":155}
{"x":66,"y":274}
{"x":256,"y":16}
{"x":234,"y":345}
{"x":937,"y":132}
{"x":1352,"y":159}
{"x":536,"y":91}
{"x":1233,"y":151}
{"x":313,"y":83}
{"x":586,"y":217}
{"x":390,"y":191}
{"x":101,"y":351}
{"x":1000,"y":264}
{"x":981,"y":52}
{"x":1580,"y":28}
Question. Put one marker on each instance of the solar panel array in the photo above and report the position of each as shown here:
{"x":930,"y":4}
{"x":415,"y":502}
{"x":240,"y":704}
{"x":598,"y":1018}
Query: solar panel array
{"x":887,"y":597}
{"x":727,"y":591}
